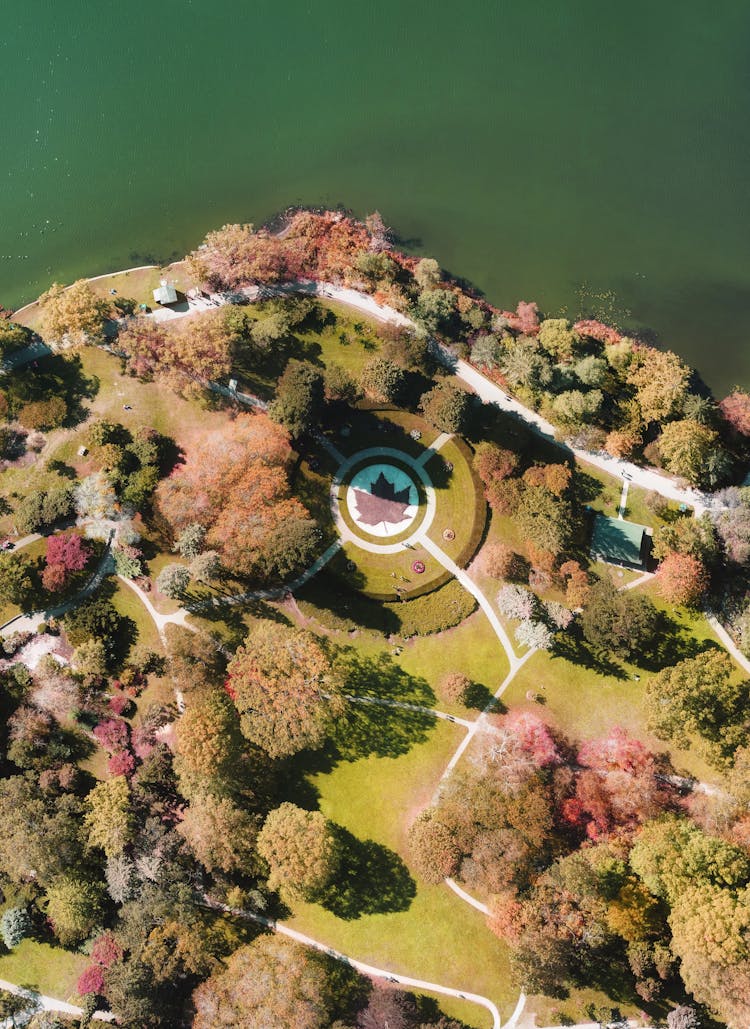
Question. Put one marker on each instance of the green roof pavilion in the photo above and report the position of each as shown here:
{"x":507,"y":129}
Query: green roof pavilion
{"x":166,"y":293}
{"x":619,"y":542}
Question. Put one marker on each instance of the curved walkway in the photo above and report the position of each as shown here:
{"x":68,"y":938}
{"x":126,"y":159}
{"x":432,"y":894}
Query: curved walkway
{"x":365,"y":969}
{"x":41,"y":1002}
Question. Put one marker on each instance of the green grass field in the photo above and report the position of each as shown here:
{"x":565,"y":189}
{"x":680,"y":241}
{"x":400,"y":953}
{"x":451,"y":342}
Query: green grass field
{"x":375,"y":798}
{"x":48,"y":969}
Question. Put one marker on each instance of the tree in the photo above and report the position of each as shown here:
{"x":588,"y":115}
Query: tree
{"x":492,"y":462}
{"x":299,"y":398}
{"x":173,"y":581}
{"x":446,"y":406}
{"x":623,"y":623}
{"x":95,"y":497}
{"x":95,"y":618}
{"x":686,"y":447}
{"x":557,"y":337}
{"x":41,"y":833}
{"x":190,"y":541}
{"x":517,"y":602}
{"x":684,"y":1017}
{"x":427,"y":273}
{"x":544,"y":519}
{"x":486,"y":352}
{"x":682,"y":579}
{"x":207,"y":742}
{"x":455,"y":687}
{"x":205,"y":567}
{"x":13,"y":336}
{"x":434,"y":848}
{"x":234,"y":482}
{"x":175,"y":951}
{"x":69,"y":551}
{"x":43,"y":414}
{"x":340,"y":387}
{"x":302,"y":851}
{"x":185,"y":356}
{"x":40,"y":509}
{"x":110,"y":821}
{"x":15,"y":925}
{"x":271,"y":982}
{"x":498,"y":560}
{"x":694,"y":536}
{"x":622,"y":443}
{"x":74,"y":315}
{"x":74,"y":907}
{"x":733,"y":524}
{"x":16,"y":585}
{"x":699,"y":695}
{"x":526,"y":364}
{"x":435,"y":308}
{"x":220,"y":834}
{"x":285,"y":689}
{"x":383,"y":380}
{"x":575,"y":407}
{"x":194,"y":659}
{"x":735,"y":409}
{"x":660,"y":379}
{"x":392,"y":1008}
{"x":534,"y":635}
{"x":54,"y":578}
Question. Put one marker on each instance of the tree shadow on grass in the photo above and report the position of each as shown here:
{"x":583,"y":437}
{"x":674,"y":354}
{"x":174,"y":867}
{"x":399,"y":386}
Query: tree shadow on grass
{"x":574,"y":648}
{"x":380,"y":676}
{"x":371,"y":880}
{"x":366,"y":729}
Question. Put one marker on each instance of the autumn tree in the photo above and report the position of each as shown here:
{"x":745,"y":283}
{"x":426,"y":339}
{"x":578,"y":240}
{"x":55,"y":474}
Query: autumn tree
{"x":544,"y":519}
{"x":235,"y":255}
{"x":735,"y":409}
{"x":302,"y":851}
{"x":207,"y":742}
{"x":687,"y":448}
{"x":185,"y":356}
{"x":694,"y":536}
{"x":43,"y":414}
{"x":299,"y":398}
{"x":285,"y":688}
{"x":234,"y":483}
{"x":434,"y":847}
{"x":270,"y":982}
{"x":682,"y":579}
{"x":446,"y":406}
{"x":557,"y":337}
{"x":74,"y":315}
{"x":194,"y":659}
{"x":498,"y":560}
{"x":455,"y":687}
{"x":660,"y":379}
{"x":221,"y":834}
{"x":699,"y":695}
{"x":493,"y":462}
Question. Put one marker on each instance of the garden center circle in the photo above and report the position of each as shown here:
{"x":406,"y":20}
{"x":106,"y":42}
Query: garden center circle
{"x":382,"y":499}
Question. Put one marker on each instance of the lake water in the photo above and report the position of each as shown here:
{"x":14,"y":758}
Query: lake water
{"x":532,"y":146}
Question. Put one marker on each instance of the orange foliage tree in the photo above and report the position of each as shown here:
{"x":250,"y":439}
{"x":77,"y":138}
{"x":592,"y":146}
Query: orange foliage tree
{"x":235,"y":484}
{"x":682,"y":579}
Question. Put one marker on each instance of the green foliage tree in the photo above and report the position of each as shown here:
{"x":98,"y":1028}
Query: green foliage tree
{"x":383,"y":380}
{"x":13,"y":336}
{"x":110,"y":818}
{"x":95,"y":618}
{"x":302,"y":850}
{"x":173,"y":581}
{"x":623,"y":623}
{"x":575,"y":407}
{"x":427,"y":273}
{"x":699,"y":695}
{"x":40,"y":509}
{"x":544,"y":519}
{"x":190,"y":541}
{"x":74,"y":907}
{"x":557,"y":338}
{"x":686,"y":446}
{"x":446,"y":406}
{"x":15,"y":925}
{"x":16,"y":584}
{"x":299,"y":398}
{"x":41,"y":835}
{"x":435,"y":309}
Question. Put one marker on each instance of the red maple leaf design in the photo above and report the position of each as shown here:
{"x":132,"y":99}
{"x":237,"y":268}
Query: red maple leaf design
{"x":383,"y":502}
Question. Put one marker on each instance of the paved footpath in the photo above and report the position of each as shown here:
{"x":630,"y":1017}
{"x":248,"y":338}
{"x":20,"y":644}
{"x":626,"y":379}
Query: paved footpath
{"x":40,"y":1002}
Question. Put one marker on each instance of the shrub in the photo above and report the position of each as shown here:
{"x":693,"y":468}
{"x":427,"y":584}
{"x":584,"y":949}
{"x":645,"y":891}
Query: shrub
{"x":455,"y":687}
{"x":15,"y":925}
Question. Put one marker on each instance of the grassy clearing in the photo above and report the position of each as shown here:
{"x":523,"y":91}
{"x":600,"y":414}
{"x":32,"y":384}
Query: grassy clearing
{"x":461,"y":507}
{"x":375,"y":798}
{"x":586,"y":699}
{"x":128,"y":604}
{"x":48,"y":969}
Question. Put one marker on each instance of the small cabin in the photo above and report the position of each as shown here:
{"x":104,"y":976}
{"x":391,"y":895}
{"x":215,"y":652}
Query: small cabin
{"x":619,"y":542}
{"x":165,"y":294}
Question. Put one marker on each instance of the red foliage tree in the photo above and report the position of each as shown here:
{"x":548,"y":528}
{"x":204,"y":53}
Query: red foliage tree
{"x":492,"y":462}
{"x":106,"y":950}
{"x":682,"y":579}
{"x":122,"y":762}
{"x":736,"y":410}
{"x":534,"y":736}
{"x":597,"y":330}
{"x":525,"y":319}
{"x":112,"y":734}
{"x":54,"y":578}
{"x":91,"y":981}
{"x":71,"y":552}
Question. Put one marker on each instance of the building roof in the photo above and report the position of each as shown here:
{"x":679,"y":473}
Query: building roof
{"x":166,"y":293}
{"x":618,"y":541}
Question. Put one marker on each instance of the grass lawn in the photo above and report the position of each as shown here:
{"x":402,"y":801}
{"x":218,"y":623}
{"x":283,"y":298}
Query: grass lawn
{"x":461,"y":507}
{"x":585,"y":702}
{"x":437,"y":937}
{"x":48,"y":969}
{"x":603,"y":493}
{"x":128,"y":604}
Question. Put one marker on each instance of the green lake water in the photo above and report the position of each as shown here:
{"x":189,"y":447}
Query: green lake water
{"x":532,"y":146}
